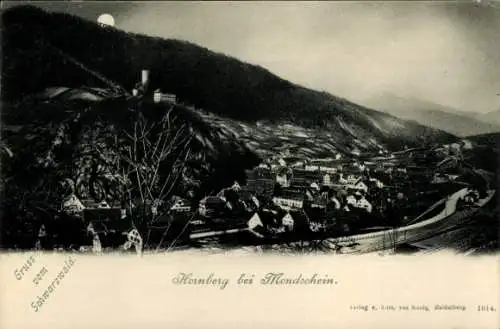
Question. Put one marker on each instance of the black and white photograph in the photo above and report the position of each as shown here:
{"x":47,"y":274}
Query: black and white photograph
{"x":330,"y":127}
{"x":281,"y":164}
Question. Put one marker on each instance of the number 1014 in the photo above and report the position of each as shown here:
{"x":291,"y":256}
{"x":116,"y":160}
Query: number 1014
{"x":485,"y":308}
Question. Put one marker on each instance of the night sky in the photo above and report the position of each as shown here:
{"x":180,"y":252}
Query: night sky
{"x":444,"y":52}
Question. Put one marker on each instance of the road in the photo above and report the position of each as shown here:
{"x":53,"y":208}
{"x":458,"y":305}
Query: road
{"x":447,"y":219}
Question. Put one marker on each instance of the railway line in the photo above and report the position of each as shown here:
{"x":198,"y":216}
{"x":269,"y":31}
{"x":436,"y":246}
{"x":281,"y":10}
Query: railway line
{"x":448,"y":218}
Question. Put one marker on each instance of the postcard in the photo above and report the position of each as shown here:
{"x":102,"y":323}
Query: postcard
{"x":273,"y":164}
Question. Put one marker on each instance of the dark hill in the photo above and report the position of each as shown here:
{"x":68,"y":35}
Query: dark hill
{"x":40,"y":50}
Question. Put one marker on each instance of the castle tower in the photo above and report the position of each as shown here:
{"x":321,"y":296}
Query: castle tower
{"x":144,"y":77}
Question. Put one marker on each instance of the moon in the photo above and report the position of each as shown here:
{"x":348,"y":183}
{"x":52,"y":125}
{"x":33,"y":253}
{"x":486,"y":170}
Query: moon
{"x":106,"y":19}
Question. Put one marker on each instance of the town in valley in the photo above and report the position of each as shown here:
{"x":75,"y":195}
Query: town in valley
{"x":141,"y":144}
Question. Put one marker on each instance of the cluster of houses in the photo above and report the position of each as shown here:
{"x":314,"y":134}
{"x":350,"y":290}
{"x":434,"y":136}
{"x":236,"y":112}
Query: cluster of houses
{"x":287,"y":189}
{"x":318,"y":185}
{"x":284,"y":192}
{"x":292,"y":188}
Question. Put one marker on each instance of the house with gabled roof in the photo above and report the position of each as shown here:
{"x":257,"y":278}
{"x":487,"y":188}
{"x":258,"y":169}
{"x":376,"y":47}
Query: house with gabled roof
{"x":159,"y":96}
{"x":264,"y":165}
{"x":364,"y":204}
{"x":262,"y":172}
{"x":181,"y":205}
{"x":294,"y":221}
{"x":351,"y":200}
{"x":328,"y":169}
{"x":377,"y":183}
{"x":327,"y":180}
{"x":283,"y":177}
{"x":236,"y":186}
{"x":72,"y":205}
{"x":358,"y":185}
{"x":311,"y":167}
{"x":212,"y":205}
{"x":314,"y":186}
{"x":289,"y":201}
{"x":255,"y":225}
{"x":298,"y":164}
{"x":263,"y":186}
{"x":319,"y":201}
{"x":359,"y":201}
{"x":288,"y":222}
{"x":311,"y":175}
{"x":249,"y":200}
{"x":352,"y":179}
